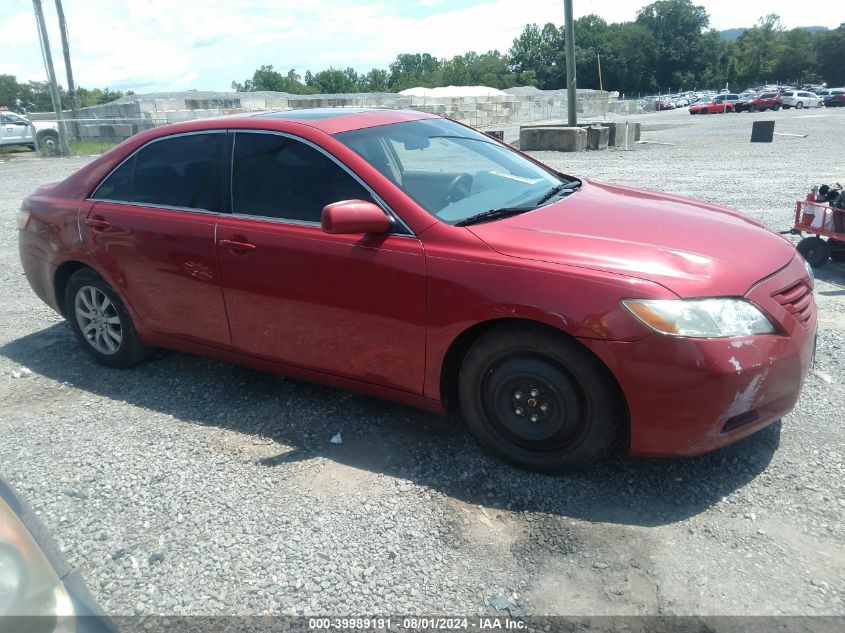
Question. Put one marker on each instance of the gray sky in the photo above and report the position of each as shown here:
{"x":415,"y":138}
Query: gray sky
{"x":147,"y":45}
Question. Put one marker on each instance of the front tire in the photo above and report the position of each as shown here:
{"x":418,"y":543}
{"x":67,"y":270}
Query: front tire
{"x":538,"y":399}
{"x":101,"y":322}
{"x":799,"y":106}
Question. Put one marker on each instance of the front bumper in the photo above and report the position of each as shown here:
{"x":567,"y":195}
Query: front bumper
{"x":689,"y":396}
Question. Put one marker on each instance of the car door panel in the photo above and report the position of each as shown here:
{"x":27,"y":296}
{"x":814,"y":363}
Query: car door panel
{"x":349,"y":305}
{"x":163,"y":261}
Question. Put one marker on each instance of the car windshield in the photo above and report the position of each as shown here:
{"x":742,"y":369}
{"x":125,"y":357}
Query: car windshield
{"x":452,"y":171}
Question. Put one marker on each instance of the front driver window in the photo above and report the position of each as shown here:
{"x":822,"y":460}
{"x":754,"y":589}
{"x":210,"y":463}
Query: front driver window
{"x":278,"y":177}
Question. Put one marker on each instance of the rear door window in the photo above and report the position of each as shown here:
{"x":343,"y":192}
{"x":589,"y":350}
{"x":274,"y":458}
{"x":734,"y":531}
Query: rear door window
{"x":181,"y":171}
{"x":118,"y":185}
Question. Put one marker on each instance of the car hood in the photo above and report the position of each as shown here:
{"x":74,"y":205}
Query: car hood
{"x":693,"y":248}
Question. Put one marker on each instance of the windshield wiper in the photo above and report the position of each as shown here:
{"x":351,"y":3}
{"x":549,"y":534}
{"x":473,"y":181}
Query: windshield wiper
{"x":558,"y":189}
{"x":494,"y":214}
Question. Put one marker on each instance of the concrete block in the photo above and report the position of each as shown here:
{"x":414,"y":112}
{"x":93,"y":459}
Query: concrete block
{"x":175,"y":116}
{"x":553,"y":138}
{"x":597,"y":137}
{"x":123,"y":130}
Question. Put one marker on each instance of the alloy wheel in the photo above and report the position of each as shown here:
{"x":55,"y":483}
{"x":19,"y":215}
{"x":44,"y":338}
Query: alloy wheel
{"x":98,"y":320}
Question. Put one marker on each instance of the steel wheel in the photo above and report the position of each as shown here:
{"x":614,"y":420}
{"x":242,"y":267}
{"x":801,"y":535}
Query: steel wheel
{"x":533,"y":403}
{"x":539,"y":399}
{"x":98,"y":320}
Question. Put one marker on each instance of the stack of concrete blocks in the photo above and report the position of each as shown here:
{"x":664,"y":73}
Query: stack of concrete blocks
{"x":555,"y":138}
{"x":617,"y":132}
{"x":128,"y":117}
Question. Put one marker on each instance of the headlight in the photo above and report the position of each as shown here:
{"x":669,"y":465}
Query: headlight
{"x":11,"y":578}
{"x":811,"y":274}
{"x":29,"y":585}
{"x":701,"y":318}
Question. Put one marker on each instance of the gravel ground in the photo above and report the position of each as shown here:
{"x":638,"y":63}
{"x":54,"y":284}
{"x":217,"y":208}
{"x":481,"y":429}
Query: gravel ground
{"x":188,"y":486}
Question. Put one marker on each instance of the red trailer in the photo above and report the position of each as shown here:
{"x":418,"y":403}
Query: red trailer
{"x":821,"y":220}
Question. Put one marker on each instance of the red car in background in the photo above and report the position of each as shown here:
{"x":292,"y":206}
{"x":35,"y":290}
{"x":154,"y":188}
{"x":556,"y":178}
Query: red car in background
{"x":760,"y":102}
{"x":407,"y":256}
{"x":717,"y":105}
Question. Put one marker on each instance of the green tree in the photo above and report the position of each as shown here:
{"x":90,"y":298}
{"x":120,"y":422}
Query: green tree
{"x":830,"y":53}
{"x":680,"y":46}
{"x":334,"y":80}
{"x":539,"y":51}
{"x":411,"y":70}
{"x":759,"y":50}
{"x":269,"y":79}
{"x":374,"y":81}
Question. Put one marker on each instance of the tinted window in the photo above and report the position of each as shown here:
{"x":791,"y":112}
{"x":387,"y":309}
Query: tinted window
{"x":278,"y":177}
{"x":118,"y":185}
{"x":179,"y":172}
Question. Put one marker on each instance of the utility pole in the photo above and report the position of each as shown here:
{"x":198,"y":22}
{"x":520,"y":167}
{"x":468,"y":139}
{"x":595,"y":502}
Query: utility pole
{"x":71,"y":87}
{"x":569,"y":37}
{"x":51,"y":76}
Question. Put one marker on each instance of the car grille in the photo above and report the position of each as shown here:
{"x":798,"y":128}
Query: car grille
{"x":798,"y":301}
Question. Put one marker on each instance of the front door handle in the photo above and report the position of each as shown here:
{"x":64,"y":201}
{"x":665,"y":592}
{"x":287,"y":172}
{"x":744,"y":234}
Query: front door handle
{"x":97,"y":223}
{"x":236,"y":246}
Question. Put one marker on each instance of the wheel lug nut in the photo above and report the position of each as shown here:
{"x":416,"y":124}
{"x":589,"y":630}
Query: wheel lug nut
{"x":519,"y":411}
{"x":518,"y":395}
{"x":535,"y":393}
{"x":544,"y":407}
{"x":534,"y":418}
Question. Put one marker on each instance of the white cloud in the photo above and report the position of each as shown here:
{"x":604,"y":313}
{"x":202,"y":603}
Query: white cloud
{"x":161,"y":44}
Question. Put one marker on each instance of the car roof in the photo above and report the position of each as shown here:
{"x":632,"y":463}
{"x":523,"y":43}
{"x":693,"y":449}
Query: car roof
{"x":342,"y":119}
{"x":326,"y":120}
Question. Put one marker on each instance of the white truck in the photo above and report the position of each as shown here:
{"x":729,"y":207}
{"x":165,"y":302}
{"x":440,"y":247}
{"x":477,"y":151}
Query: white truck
{"x":18,"y":130}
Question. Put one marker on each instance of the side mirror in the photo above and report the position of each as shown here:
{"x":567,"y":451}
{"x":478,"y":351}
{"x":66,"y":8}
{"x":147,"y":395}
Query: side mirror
{"x":354,"y":216}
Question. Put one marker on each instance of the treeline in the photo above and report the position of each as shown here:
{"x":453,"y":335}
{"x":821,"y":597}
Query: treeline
{"x":669,"y":47}
{"x":34,"y":96}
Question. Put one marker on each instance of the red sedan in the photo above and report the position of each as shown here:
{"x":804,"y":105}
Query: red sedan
{"x":403,"y":255}
{"x":717,"y":105}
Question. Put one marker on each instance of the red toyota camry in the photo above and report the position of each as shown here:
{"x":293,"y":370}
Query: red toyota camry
{"x":404,"y":255}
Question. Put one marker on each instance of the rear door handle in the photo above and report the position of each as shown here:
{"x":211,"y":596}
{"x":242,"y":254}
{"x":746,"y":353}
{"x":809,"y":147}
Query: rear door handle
{"x":236,"y":246}
{"x":96,"y":223}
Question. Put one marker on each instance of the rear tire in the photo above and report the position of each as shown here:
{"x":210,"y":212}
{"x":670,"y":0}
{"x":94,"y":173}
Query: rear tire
{"x":815,"y":250}
{"x":49,"y":141}
{"x":101,"y":322}
{"x":799,"y":106}
{"x":538,"y":399}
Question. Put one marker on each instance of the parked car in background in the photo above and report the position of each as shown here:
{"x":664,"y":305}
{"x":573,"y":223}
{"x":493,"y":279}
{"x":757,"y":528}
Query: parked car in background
{"x":385,"y":251}
{"x":800,"y":99}
{"x":760,"y":102}
{"x":717,"y":105}
{"x":18,"y":130}
{"x":836,"y":98}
